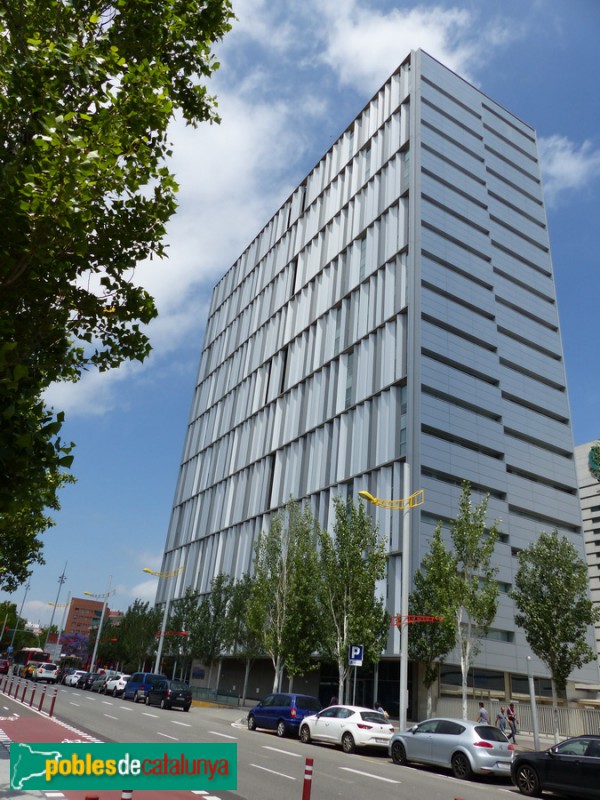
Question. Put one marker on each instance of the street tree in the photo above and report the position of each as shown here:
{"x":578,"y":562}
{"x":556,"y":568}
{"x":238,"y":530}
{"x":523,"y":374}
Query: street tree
{"x":88,"y":89}
{"x":430,"y":642}
{"x":243,"y":627}
{"x":285,"y":564}
{"x":353,"y":560}
{"x":474,"y":589}
{"x":213,"y":628}
{"x":186,"y":635}
{"x":137,"y":634}
{"x":554,"y":608}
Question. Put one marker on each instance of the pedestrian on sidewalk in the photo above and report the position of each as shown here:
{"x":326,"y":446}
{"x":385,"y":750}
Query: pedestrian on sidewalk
{"x":483,"y":717}
{"x":501,"y":719}
{"x":511,"y":716}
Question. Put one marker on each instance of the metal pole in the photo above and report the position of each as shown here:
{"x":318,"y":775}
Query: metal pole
{"x":163,"y":628}
{"x":61,"y":580}
{"x":403,"y":711}
{"x":97,"y":642}
{"x":27,"y":587}
{"x":536,"y":734}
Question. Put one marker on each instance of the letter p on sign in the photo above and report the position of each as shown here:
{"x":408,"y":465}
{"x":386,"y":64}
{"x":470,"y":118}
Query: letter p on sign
{"x":355,"y":656}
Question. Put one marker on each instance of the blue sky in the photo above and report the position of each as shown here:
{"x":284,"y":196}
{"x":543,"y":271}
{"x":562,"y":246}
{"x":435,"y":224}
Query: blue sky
{"x":293,"y":75}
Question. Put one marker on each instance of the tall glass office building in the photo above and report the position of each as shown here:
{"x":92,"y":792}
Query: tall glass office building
{"x":392,"y":328}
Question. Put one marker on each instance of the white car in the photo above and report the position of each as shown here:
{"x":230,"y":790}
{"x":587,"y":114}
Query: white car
{"x":45,"y":672}
{"x":71,"y":680}
{"x":115,"y":684}
{"x":348,"y":726}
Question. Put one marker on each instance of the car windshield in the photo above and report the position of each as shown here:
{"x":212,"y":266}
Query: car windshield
{"x":489,"y":733}
{"x":373,"y":716}
{"x":179,"y":686}
{"x":308,"y":703}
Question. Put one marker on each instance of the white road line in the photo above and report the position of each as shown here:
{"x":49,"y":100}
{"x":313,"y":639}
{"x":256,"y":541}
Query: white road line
{"x":146,"y":714}
{"x":107,"y":703}
{"x":224,"y":735}
{"x":272,"y":771}
{"x":166,"y":735}
{"x":285,"y":752}
{"x":185,"y":724}
{"x":110,"y":716}
{"x":126,"y":708}
{"x":369,"y":775}
{"x":74,"y":704}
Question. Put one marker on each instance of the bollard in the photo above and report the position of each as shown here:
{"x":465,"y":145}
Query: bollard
{"x":23,"y":695}
{"x":308,"y":769}
{"x":32,"y":696}
{"x":52,"y":702}
{"x":42,"y":698}
{"x":127,"y":794}
{"x":10,"y":687}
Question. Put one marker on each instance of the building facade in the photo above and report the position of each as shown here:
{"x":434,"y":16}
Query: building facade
{"x":392,"y":328}
{"x":589,"y":491}
{"x":83,"y":615}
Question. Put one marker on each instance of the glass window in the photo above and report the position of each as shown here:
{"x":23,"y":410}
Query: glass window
{"x":427,"y":727}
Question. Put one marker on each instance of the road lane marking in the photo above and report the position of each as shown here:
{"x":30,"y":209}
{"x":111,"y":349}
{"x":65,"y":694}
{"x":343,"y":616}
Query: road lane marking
{"x":107,"y":703}
{"x":110,"y":716}
{"x":185,"y":724}
{"x":147,"y":714}
{"x":272,"y":771}
{"x":370,"y":775}
{"x":166,"y":735}
{"x":224,"y":735}
{"x":74,"y":704}
{"x":126,"y":708}
{"x":285,"y":752}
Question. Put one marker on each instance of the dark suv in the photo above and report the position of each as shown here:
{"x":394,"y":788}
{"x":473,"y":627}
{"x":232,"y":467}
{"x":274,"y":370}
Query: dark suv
{"x":139,"y":683}
{"x":282,"y":712}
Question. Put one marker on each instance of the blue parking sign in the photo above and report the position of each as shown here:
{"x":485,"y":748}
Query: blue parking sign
{"x":355,"y":655}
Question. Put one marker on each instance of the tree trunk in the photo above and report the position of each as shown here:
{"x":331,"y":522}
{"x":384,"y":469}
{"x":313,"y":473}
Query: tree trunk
{"x":219,"y":665}
{"x":554,"y":710}
{"x":246,"y":677}
{"x":341,"y":670}
{"x":429,"y":702}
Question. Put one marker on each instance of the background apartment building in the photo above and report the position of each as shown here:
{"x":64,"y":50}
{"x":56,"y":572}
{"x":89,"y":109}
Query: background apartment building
{"x":392,"y":328}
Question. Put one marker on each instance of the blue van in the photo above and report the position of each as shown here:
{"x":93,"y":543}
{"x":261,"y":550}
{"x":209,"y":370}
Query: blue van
{"x":139,"y":683}
{"x":283,"y":712}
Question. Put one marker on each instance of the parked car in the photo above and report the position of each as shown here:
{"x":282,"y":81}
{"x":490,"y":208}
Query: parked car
{"x":570,"y":768}
{"x":4,"y":666}
{"x":45,"y":672}
{"x":282,"y":712}
{"x":63,"y":672}
{"x":139,"y":683}
{"x":85,"y":682}
{"x":169,"y":694}
{"x":98,"y":684}
{"x":348,"y":726}
{"x":465,"y":747}
{"x":116,"y":684}
{"x":73,"y":678}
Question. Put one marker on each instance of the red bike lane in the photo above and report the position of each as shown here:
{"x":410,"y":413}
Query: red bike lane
{"x":25,"y":724}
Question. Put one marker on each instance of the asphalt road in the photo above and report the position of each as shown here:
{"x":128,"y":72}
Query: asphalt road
{"x":269,"y":768}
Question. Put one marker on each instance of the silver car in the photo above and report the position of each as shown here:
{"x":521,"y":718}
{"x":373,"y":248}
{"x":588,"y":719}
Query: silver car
{"x":465,"y":747}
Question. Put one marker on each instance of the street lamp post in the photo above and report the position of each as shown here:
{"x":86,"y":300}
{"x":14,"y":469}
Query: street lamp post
{"x":62,"y":578}
{"x":105,"y":595}
{"x":172,"y":574}
{"x":404,"y":505}
{"x":14,"y":633}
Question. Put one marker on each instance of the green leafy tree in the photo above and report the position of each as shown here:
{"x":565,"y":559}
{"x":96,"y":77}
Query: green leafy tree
{"x":474,"y":589}
{"x":87,"y":92}
{"x":137,"y":634}
{"x":352,"y":560}
{"x":285,"y":612}
{"x":430,"y":642}
{"x":244,"y":629}
{"x":184,"y":617}
{"x":214,"y":638}
{"x":554,"y":608}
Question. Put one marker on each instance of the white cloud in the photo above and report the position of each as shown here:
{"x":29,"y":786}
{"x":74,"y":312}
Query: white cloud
{"x":567,"y":166}
{"x":364,"y":46}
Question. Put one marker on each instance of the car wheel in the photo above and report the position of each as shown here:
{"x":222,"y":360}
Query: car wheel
{"x":163,"y":704}
{"x":136,"y":698}
{"x":147,"y":700}
{"x":461,"y":766}
{"x":305,"y":734}
{"x":348,"y":745}
{"x":114,"y":692}
{"x":527,"y":780}
{"x":187,"y":707}
{"x":399,"y":753}
{"x":281,"y":729}
{"x":251,"y":723}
